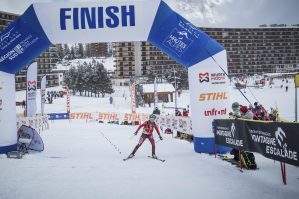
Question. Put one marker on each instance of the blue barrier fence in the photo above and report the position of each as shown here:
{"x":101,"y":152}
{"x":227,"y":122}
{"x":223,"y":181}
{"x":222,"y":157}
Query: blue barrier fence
{"x":58,"y":116}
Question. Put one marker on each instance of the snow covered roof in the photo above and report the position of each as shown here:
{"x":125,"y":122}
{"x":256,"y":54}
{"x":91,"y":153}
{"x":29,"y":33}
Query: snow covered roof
{"x":149,"y":88}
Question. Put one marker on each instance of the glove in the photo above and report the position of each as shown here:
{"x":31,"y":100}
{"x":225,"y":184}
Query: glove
{"x":135,"y":133}
{"x":161,"y":138}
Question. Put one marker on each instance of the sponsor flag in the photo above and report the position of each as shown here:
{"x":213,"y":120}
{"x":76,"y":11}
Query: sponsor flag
{"x":155,"y":92}
{"x":68,"y":100}
{"x":43,"y":93}
{"x":133,"y":97}
{"x":31,"y":89}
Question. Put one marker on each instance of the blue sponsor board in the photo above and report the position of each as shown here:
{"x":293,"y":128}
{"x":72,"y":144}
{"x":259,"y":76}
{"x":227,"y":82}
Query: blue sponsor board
{"x":21,"y":42}
{"x":58,"y":116}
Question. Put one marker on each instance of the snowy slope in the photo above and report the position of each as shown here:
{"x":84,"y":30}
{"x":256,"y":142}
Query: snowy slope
{"x":79,"y":162}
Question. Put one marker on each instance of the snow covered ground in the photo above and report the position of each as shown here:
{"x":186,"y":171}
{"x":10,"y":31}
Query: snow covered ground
{"x":79,"y":162}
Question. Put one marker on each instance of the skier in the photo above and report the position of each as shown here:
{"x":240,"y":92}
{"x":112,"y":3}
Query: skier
{"x":148,"y":128}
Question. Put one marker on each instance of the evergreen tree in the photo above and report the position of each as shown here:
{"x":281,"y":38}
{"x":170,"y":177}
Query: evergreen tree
{"x":87,"y":50}
{"x":66,"y":51}
{"x":104,"y":83}
{"x":60,"y":51}
{"x":81,"y":51}
{"x":151,"y":77}
{"x":183,"y":75}
{"x":72,"y":53}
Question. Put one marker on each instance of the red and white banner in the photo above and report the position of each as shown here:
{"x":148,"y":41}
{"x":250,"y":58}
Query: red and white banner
{"x":68,"y":100}
{"x":43,"y":83}
{"x":156,"y":100}
{"x":39,"y":123}
{"x":31,"y":89}
{"x":175,"y":123}
{"x":133,"y":97}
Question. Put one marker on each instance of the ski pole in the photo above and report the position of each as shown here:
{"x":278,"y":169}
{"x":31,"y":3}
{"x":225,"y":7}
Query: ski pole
{"x":115,"y":147}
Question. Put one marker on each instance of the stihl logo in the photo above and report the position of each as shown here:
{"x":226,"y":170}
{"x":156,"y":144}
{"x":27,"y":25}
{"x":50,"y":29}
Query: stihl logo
{"x":203,"y":77}
{"x":212,"y":96}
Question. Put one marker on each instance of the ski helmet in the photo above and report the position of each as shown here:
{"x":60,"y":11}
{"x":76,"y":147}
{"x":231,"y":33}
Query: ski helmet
{"x":152,"y":117}
{"x":235,"y":105}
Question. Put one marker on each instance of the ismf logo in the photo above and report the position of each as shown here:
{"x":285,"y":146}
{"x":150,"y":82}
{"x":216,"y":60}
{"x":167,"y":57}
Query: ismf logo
{"x":178,"y":41}
{"x":281,"y":138}
{"x":31,"y":85}
{"x":203,"y":77}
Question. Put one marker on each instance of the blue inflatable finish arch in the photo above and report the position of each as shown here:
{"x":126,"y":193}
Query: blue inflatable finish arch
{"x":44,"y":24}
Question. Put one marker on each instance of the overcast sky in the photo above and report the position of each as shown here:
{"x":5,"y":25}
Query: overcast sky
{"x":209,"y":13}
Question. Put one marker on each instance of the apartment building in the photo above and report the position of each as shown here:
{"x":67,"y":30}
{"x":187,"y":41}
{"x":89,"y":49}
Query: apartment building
{"x":250,"y":51}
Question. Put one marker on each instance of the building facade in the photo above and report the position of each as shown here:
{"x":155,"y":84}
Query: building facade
{"x":141,"y":59}
{"x":99,"y":49}
{"x":259,"y":50}
{"x":249,"y":51}
{"x":45,"y":61}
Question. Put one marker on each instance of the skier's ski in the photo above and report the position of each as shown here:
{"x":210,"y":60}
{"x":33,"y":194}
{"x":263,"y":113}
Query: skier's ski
{"x":156,"y":159}
{"x":127,"y":158}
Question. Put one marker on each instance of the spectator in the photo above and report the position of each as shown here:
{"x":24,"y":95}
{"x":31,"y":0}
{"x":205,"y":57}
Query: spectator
{"x":111,"y":100}
{"x":185,"y":112}
{"x":177,"y":112}
{"x":240,"y":111}
{"x":156,"y":111}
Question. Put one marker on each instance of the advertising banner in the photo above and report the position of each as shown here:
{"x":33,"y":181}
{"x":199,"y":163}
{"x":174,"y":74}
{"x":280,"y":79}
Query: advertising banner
{"x":133,"y":97}
{"x":274,"y":140}
{"x":68,"y":100}
{"x":106,"y":116}
{"x":154,"y":21}
{"x":43,"y":83}
{"x":209,"y":98}
{"x":175,"y":123}
{"x":31,"y":89}
{"x":156,"y":100}
{"x":8,"y":129}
